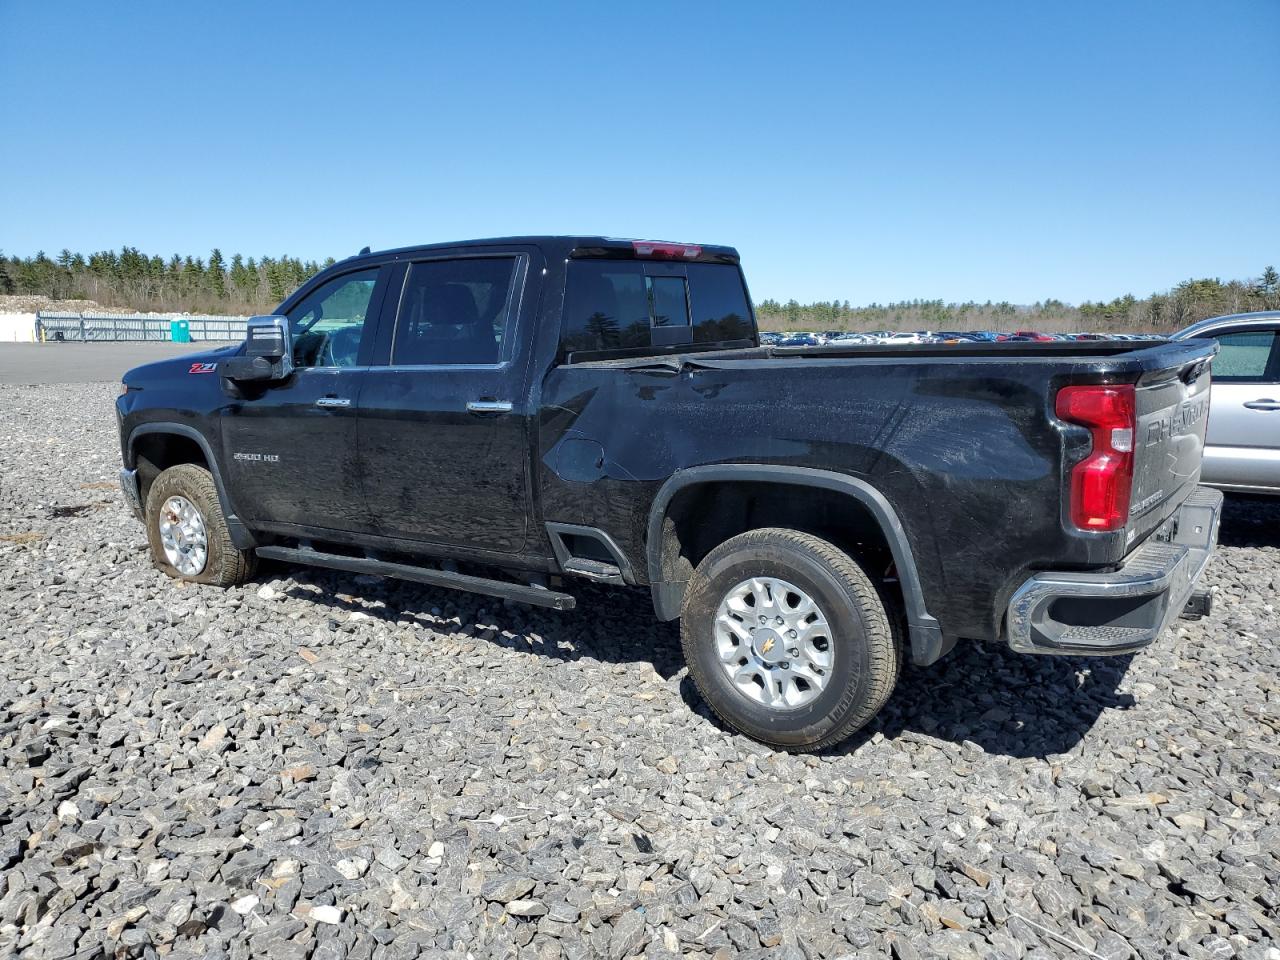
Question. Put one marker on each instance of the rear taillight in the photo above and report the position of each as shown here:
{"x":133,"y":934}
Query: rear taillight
{"x":1101,"y":483}
{"x":666,"y":251}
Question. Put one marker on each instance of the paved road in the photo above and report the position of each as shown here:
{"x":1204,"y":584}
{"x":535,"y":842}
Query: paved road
{"x":32,"y":363}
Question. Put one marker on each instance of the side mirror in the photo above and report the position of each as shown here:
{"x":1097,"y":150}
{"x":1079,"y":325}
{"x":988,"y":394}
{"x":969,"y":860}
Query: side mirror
{"x":268,"y":352}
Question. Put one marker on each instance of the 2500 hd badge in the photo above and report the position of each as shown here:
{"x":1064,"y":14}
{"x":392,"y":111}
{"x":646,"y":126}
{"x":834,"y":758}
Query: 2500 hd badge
{"x":257,"y":457}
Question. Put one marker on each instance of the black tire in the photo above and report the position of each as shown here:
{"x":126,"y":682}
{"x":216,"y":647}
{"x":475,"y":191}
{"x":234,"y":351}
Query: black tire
{"x":225,"y":565}
{"x":866,"y":647}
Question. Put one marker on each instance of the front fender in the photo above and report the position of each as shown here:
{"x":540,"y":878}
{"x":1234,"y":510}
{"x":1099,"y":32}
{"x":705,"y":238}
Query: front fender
{"x":236,"y":529}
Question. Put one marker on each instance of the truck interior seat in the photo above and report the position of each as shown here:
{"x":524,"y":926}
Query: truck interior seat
{"x":445,"y":327}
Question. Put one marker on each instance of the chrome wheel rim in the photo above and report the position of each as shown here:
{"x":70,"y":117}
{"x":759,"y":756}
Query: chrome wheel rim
{"x":774,"y":643}
{"x":183,"y":536}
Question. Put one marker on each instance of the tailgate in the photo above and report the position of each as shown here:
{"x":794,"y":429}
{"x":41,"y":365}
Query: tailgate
{"x":1172,"y":407}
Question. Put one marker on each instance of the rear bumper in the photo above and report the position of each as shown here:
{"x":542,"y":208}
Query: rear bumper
{"x":129,"y":488}
{"x":1096,"y":614}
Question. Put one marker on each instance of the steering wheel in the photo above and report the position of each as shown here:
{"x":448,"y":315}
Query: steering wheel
{"x":341,"y":346}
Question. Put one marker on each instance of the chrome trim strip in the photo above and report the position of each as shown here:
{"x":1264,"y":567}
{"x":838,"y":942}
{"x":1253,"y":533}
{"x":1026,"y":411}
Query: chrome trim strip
{"x":490,"y":406}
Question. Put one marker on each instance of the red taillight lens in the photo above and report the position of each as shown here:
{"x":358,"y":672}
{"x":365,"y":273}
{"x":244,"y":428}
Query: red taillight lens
{"x":1101,"y":483}
{"x":666,"y":251}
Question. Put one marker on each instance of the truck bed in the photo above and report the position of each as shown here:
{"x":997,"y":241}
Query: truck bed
{"x":961,"y":440}
{"x":1086,"y":350}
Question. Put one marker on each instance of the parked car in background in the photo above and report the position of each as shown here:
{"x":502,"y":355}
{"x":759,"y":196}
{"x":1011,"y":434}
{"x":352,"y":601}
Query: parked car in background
{"x":799,"y":340}
{"x":1242,"y":450}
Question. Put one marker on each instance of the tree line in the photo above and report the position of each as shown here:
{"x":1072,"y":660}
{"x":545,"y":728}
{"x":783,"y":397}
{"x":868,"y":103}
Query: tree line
{"x":1186,"y":303}
{"x":132,"y":280}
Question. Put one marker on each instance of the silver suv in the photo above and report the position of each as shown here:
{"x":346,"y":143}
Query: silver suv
{"x":1242,"y":451}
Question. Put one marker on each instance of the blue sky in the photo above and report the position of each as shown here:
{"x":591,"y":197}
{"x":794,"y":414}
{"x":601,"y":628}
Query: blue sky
{"x":856,"y":151}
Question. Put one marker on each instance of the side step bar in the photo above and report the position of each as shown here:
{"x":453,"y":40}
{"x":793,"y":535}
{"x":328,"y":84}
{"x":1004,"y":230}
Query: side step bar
{"x":593,"y":570}
{"x":535,"y":596}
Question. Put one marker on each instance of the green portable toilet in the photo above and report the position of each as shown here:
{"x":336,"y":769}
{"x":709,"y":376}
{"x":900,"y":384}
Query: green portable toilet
{"x":180,"y":331}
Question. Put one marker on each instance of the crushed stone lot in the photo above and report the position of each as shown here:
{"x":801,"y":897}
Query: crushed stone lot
{"x":324,"y":765}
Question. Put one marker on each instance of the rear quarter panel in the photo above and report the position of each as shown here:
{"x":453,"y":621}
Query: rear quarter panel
{"x":970,"y":459}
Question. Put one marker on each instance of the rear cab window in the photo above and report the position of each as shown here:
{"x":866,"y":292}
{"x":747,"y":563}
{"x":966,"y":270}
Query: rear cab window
{"x":628,"y":307}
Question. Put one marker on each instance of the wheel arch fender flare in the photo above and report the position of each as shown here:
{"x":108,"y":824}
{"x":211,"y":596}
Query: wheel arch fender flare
{"x":927,"y":641}
{"x":239,"y":533}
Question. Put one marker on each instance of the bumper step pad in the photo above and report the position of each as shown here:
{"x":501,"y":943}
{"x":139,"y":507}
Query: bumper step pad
{"x":1122,"y":610}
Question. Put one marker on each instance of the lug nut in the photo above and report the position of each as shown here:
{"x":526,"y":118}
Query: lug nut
{"x":763,"y":618}
{"x":791,"y":635}
{"x":778,"y":620}
{"x":793,"y":652}
{"x":784,"y":665}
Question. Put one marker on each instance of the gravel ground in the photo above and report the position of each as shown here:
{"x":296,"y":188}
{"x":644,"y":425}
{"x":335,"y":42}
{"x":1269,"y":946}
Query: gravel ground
{"x":335,"y":766}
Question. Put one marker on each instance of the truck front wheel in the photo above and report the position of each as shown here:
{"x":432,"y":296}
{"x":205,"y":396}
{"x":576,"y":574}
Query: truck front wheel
{"x":787,"y":639}
{"x":187,"y":532}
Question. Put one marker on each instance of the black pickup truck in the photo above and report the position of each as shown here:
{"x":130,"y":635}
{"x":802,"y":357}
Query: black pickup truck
{"x":506,"y":416}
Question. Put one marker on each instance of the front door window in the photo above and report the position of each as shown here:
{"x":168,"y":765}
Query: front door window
{"x":328,"y":322}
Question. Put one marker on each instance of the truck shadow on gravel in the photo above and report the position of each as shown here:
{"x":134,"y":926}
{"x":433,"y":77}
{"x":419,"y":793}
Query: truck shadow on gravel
{"x":985,"y":697}
{"x":984,"y":694}
{"x":1250,"y":521}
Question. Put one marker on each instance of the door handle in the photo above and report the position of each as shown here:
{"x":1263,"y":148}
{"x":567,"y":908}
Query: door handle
{"x":1263,"y":403}
{"x":333,"y":402}
{"x":489,"y":406}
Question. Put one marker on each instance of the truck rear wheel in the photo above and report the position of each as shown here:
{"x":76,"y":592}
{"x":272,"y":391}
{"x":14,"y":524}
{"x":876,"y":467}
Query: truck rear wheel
{"x":187,"y":532}
{"x":787,"y":639}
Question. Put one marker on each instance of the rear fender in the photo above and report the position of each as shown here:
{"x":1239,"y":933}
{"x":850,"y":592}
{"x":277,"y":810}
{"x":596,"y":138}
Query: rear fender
{"x":927,"y":641}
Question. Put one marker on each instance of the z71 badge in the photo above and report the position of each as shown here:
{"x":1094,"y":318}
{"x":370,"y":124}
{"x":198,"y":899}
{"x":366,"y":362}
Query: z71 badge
{"x":203,"y":368}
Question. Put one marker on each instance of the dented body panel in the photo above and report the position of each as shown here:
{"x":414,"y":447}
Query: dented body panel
{"x":965,"y":450}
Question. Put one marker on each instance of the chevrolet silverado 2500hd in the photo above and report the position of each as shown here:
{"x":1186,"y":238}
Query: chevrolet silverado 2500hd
{"x":506,"y":416}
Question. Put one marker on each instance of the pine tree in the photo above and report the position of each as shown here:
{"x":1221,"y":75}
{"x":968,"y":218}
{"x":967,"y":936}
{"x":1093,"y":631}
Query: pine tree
{"x":216,"y":277}
{"x":1268,"y":288}
{"x":1269,"y":282}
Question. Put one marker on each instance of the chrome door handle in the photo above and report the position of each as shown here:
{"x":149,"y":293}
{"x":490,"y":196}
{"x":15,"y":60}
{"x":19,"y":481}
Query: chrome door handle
{"x":489,"y":406}
{"x":1264,"y":403}
{"x":333,"y":402}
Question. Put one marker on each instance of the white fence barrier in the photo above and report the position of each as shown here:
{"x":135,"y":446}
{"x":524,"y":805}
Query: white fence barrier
{"x":17,"y":327}
{"x":131,"y":326}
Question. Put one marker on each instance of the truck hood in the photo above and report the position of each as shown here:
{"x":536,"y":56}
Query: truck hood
{"x":147,"y":374}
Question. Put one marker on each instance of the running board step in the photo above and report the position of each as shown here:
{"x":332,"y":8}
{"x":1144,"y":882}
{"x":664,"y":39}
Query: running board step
{"x":535,"y":596}
{"x":593,"y":570}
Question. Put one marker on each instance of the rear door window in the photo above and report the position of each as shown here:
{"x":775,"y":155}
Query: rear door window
{"x":1244,"y":357}
{"x":455,"y":311}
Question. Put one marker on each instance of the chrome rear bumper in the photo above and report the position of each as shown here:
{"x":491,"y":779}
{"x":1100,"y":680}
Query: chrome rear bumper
{"x":1124,"y":609}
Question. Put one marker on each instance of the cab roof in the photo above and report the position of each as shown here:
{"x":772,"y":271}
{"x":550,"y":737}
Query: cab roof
{"x":573,"y":246}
